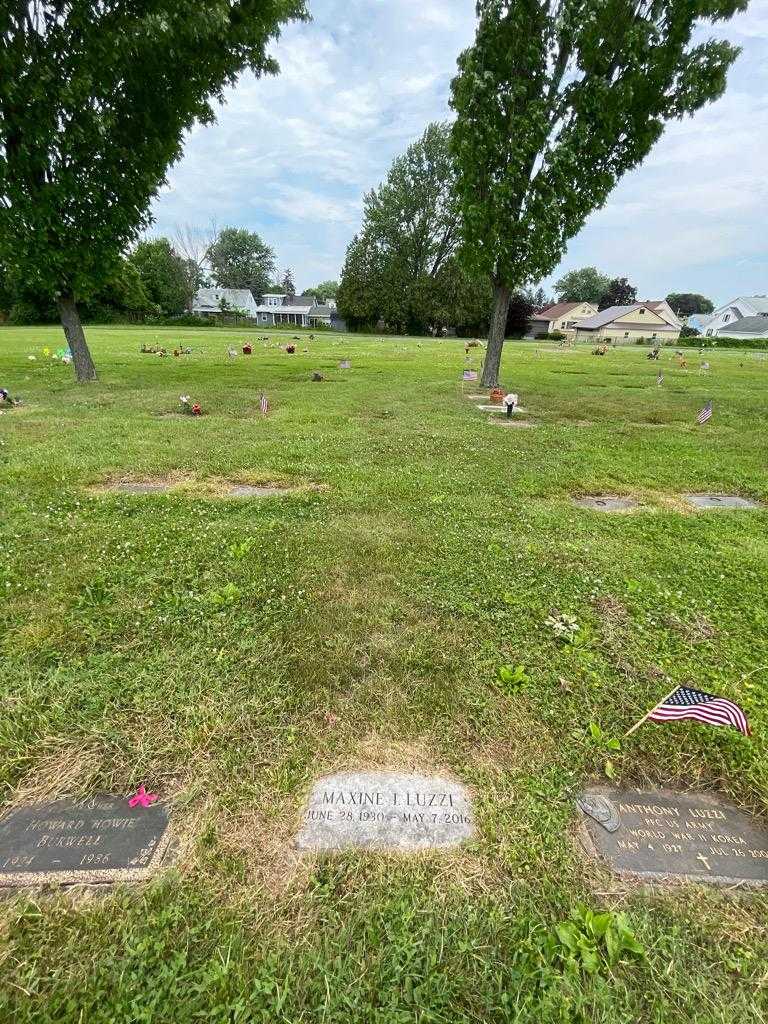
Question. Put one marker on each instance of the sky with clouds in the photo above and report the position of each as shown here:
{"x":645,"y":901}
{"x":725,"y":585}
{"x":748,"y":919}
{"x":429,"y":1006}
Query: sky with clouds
{"x":292,"y":156}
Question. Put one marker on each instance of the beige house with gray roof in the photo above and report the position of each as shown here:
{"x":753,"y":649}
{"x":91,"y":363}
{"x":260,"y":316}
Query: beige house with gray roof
{"x":649,"y":321}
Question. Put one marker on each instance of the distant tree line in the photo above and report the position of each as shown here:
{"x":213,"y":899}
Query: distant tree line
{"x":159,"y":278}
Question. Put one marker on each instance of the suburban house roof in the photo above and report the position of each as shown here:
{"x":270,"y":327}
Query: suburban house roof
{"x":210,"y":299}
{"x":607,"y":316}
{"x":741,"y":306}
{"x":757,"y":302}
{"x":755,"y":325}
{"x":558,"y":310}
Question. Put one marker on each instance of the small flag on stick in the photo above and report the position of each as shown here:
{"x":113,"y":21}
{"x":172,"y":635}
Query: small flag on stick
{"x":264,"y":404}
{"x":684,"y":702}
{"x":470,"y":375}
{"x":705,"y":414}
{"x":660,"y":379}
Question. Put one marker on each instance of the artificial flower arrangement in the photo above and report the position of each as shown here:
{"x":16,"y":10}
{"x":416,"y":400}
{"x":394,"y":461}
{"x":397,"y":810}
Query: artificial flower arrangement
{"x":247,"y":348}
{"x":190,"y":408}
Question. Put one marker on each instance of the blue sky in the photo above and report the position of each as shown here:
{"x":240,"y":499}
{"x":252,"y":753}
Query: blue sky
{"x":292,"y":156}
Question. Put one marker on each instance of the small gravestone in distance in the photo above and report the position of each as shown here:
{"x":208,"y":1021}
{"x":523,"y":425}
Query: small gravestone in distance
{"x":385,"y":811}
{"x":98,"y":839}
{"x":606,"y":503}
{"x":674,"y":836}
{"x":720,"y":501}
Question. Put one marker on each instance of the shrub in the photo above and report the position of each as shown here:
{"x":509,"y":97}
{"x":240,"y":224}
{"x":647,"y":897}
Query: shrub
{"x":759,"y":344}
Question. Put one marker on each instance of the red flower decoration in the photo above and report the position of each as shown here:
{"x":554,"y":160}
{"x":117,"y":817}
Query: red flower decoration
{"x":196,"y":410}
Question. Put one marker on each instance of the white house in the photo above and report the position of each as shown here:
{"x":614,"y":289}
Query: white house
{"x":728,"y":319}
{"x":301,"y":310}
{"x":218,"y":301}
{"x":274,"y":308}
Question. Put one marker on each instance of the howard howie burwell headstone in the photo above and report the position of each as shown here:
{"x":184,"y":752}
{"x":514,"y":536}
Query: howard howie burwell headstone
{"x":664,"y":835}
{"x":98,"y":839}
{"x":385,"y":811}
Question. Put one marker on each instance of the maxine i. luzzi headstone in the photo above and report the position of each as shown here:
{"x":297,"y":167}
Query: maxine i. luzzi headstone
{"x":385,"y":811}
{"x":664,"y":835}
{"x":98,"y":839}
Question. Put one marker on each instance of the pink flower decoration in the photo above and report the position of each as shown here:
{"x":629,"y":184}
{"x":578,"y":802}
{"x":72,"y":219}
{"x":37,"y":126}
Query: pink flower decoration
{"x":142,"y":798}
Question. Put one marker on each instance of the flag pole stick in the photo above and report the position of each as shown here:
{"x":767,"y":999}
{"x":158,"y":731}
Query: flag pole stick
{"x":648,"y":713}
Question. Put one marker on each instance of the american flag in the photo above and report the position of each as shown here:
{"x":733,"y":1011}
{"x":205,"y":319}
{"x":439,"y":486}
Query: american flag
{"x":470,"y":375}
{"x":660,"y":379}
{"x":702,"y":707}
{"x":706,"y":413}
{"x":264,"y":404}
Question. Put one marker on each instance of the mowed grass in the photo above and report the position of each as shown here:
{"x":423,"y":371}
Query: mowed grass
{"x":226,"y":653}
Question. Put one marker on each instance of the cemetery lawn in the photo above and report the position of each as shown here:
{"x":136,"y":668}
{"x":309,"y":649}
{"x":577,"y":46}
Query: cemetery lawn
{"x":226,"y":653}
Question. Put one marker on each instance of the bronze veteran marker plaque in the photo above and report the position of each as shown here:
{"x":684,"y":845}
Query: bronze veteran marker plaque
{"x":98,"y":839}
{"x":674,"y":836}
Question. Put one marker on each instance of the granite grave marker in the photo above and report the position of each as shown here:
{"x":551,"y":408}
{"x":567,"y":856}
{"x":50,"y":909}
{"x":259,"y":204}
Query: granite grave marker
{"x":719,"y":501}
{"x":97,"y":839}
{"x":606,"y":503}
{"x":385,"y":811}
{"x":674,"y":836}
{"x":141,"y":487}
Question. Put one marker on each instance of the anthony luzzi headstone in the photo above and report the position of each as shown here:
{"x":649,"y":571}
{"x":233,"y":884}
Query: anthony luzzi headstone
{"x":385,"y":811}
{"x":674,"y":836}
{"x":99,"y":839}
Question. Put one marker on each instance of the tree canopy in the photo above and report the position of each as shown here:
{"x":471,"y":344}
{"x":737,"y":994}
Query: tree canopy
{"x":239,"y":258}
{"x":584,"y":285}
{"x":162,"y":275}
{"x":618,"y":293}
{"x":401,"y":266}
{"x":555,"y":101}
{"x":689,"y":303}
{"x":324,"y":290}
{"x":94,"y":103}
{"x":287,"y":284}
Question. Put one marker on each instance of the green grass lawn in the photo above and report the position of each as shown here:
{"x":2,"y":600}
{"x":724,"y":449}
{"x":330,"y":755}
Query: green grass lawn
{"x":226,"y":653}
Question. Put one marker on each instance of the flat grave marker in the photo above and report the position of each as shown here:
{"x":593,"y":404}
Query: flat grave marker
{"x":606,"y":503}
{"x":257,"y":490}
{"x":674,"y":836}
{"x":385,"y":811}
{"x":500,"y":408}
{"x":140,"y":487}
{"x":720,"y":501}
{"x":97,"y":839}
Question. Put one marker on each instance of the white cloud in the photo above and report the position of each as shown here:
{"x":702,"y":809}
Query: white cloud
{"x":292,"y":156}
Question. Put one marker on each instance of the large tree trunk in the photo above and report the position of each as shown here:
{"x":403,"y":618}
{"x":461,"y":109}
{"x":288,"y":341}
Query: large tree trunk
{"x":501,"y":297}
{"x":73,"y":332}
